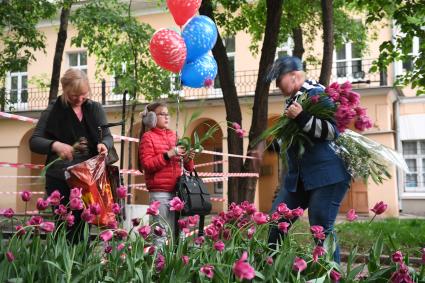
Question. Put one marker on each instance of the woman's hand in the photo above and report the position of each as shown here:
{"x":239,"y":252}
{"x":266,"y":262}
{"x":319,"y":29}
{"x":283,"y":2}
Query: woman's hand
{"x":294,"y":110}
{"x":176,"y":151}
{"x":102,"y":149}
{"x":191,"y":154}
{"x":63,"y":150}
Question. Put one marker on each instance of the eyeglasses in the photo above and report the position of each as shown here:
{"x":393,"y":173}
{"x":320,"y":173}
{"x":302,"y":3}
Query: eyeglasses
{"x":165,"y":115}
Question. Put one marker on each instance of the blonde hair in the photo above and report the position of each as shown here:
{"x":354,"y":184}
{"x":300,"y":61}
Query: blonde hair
{"x":72,"y":82}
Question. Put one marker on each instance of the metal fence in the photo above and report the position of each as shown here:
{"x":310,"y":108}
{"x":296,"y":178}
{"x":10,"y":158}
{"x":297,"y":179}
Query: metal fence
{"x":356,"y":71}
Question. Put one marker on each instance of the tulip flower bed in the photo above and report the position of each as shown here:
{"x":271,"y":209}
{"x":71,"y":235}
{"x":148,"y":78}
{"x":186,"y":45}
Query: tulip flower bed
{"x":233,"y":249}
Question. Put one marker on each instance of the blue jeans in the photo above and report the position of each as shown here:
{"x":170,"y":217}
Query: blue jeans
{"x":323,"y":204}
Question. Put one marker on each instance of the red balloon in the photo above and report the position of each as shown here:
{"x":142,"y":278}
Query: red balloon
{"x":168,"y":50}
{"x":183,"y":10}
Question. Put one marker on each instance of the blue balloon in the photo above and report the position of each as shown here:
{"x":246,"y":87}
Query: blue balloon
{"x":200,"y":72}
{"x":200,"y":35}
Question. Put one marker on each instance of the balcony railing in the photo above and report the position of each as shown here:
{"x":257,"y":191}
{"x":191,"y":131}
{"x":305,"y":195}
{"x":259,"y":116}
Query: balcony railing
{"x":356,"y":71}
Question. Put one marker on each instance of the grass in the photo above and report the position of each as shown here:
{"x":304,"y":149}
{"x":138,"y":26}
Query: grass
{"x":406,"y":235}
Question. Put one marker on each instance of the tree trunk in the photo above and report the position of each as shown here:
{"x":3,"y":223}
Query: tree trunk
{"x":297,"y":35}
{"x":231,"y":103}
{"x":328,"y":42}
{"x":260,"y":108}
{"x":60,"y":46}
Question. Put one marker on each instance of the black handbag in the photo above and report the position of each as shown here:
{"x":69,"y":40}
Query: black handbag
{"x":195,"y":195}
{"x":112,"y":156}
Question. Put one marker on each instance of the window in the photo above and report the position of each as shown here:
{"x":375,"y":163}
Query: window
{"x":78,"y":60}
{"x":285,"y":49}
{"x":17,"y":87}
{"x":414,"y":154}
{"x":229,"y":43}
{"x":348,"y":63}
{"x":407,"y":65}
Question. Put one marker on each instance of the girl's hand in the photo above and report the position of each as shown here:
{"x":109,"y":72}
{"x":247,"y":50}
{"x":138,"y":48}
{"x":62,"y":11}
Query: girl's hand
{"x":191,"y":154}
{"x":177,"y":151}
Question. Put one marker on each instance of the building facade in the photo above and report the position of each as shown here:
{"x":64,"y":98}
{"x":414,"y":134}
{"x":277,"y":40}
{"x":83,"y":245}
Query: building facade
{"x":397,"y":114}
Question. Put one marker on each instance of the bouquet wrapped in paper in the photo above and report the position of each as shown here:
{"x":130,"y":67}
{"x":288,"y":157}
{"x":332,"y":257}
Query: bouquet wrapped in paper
{"x":363,"y":157}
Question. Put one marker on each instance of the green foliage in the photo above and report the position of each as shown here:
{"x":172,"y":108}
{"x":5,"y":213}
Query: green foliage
{"x":19,"y":37}
{"x":250,"y":17}
{"x":109,"y":31}
{"x":409,"y":20}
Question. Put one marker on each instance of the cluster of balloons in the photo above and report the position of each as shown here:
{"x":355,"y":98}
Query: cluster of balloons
{"x":188,"y":52}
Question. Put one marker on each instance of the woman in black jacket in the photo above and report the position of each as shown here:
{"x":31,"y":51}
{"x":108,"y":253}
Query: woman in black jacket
{"x":72,"y":118}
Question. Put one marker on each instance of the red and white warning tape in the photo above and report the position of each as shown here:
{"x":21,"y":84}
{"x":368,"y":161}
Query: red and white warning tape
{"x":227,"y":154}
{"x":20,"y":177}
{"x":206,"y":174}
{"x":209,"y":163}
{"x":16,"y":193}
{"x":18,"y":117}
{"x":131,"y":172}
{"x":21,"y":165}
{"x":123,"y":138}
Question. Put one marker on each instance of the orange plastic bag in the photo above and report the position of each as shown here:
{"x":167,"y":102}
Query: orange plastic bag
{"x":92,"y":176}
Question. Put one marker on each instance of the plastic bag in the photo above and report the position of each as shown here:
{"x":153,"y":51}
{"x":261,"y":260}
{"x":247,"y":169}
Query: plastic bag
{"x":92,"y":176}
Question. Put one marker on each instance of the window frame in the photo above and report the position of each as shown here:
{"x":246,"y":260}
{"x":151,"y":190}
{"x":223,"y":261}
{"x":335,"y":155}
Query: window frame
{"x":18,"y":104}
{"x":78,"y":66}
{"x":419,"y":158}
{"x":348,"y":60}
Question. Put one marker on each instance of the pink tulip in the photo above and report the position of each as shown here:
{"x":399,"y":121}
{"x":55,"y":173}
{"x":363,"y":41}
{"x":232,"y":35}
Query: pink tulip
{"x":70,"y":219}
{"x":35,"y":220}
{"x":269,"y":260}
{"x":113,"y":224}
{"x":315,"y":99}
{"x":199,"y":240}
{"x":185,"y":259}
{"x":260,"y":218}
{"x":236,"y":126}
{"x":25,"y":196}
{"x":8,"y":213}
{"x":218,"y":222}
{"x":240,"y":133}
{"x":61,"y":210}
{"x":116,"y":208}
{"x":135,"y":222}
{"x":75,"y":193}
{"x":47,"y":227}
{"x":219,"y":246}
{"x":120,"y":246}
{"x":275,"y":216}
{"x":10,"y":257}
{"x":242,"y":269}
{"x":283,"y":227}
{"x":248,"y":207}
{"x":160,"y":232}
{"x":282,"y":208}
{"x":176,"y":204}
{"x":335,"y":276}
{"x":106,"y":235}
{"x":351,"y":215}
{"x":401,"y":275}
{"x":122,"y":192}
{"x":20,"y":230}
{"x":159,"y":262}
{"x":288,"y":214}
{"x":318,"y":252}
{"x":362,"y":123}
{"x":87,"y":216}
{"x":423,"y":256}
{"x":317,"y":231}
{"x":108,"y":249}
{"x":208,"y":270}
{"x":227,"y":233}
{"x":297,"y":212}
{"x":95,"y":209}
{"x":379,"y":208}
{"x":42,"y":204}
{"x":153,"y":208}
{"x":55,"y":198}
{"x":299,"y":264}
{"x":121,"y":234}
{"x":76,"y":204}
{"x":193,"y":220}
{"x":397,"y":257}
{"x":208,"y":82}
{"x":211,"y":232}
{"x":251,"y":232}
{"x":144,"y":231}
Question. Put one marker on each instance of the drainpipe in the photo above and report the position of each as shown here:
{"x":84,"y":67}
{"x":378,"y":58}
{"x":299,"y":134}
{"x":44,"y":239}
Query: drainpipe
{"x":398,"y":146}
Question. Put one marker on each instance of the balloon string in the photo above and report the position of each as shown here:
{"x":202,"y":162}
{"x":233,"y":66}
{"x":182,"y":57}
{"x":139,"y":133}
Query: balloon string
{"x":179,"y":89}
